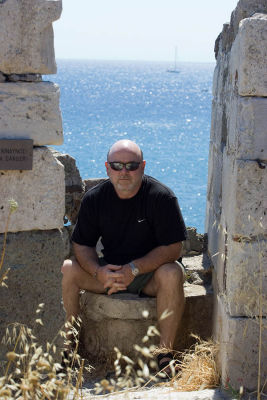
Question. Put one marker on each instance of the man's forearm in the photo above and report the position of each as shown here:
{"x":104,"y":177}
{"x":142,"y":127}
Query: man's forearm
{"x":86,"y":257}
{"x":158,"y":256}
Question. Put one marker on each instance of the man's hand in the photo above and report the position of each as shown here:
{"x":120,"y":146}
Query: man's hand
{"x":111,"y":277}
{"x":115,"y":277}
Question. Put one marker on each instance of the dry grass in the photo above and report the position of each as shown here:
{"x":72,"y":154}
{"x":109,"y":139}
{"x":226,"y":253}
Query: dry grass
{"x":198,"y":369}
{"x":32,"y":372}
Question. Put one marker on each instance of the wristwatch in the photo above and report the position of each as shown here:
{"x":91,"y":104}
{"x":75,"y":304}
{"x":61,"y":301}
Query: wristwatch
{"x":134,"y":268}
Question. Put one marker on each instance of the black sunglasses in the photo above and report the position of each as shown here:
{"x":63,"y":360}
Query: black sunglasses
{"x":129,"y":166}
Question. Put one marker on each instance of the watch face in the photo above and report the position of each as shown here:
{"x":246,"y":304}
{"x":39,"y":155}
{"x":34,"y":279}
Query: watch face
{"x":135,"y":270}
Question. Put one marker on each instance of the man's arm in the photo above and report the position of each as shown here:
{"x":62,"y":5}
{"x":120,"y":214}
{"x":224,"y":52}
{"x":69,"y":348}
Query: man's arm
{"x":152,"y":260}
{"x":108,"y":275}
{"x":158,"y":256}
{"x":86,"y":257}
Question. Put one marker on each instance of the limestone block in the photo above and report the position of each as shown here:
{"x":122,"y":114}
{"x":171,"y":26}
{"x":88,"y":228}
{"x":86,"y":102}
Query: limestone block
{"x":217,"y":250}
{"x":40,"y":194}
{"x":247,"y":133}
{"x":117,"y":320}
{"x":90,"y":183}
{"x":24,"y":78}
{"x":195,"y":242}
{"x":74,"y":186}
{"x":244,"y":196}
{"x":34,"y":259}
{"x":31,"y":111}
{"x":246,"y":278}
{"x":248,"y":67}
{"x":239,"y":348}
{"x":220,"y":87}
{"x":26,"y":36}
{"x":2,"y":77}
{"x":214,"y":190}
{"x":244,"y":9}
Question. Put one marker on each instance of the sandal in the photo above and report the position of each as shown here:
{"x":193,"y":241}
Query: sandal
{"x":164,"y":366}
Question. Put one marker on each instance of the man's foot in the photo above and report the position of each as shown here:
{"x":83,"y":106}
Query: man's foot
{"x":168,"y":366}
{"x":70,"y":361}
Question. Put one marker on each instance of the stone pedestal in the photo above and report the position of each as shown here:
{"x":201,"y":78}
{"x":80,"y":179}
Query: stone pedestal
{"x":26,"y":36}
{"x":240,"y":345}
{"x":35,"y":260}
{"x":31,"y":111}
{"x":122,"y":320}
{"x":40,"y":194}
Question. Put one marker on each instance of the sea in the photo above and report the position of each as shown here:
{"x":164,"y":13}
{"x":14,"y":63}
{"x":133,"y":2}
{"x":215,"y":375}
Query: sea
{"x":167,"y":113}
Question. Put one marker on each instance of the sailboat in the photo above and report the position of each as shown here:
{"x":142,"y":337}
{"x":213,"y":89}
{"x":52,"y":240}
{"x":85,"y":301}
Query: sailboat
{"x":174,"y":69}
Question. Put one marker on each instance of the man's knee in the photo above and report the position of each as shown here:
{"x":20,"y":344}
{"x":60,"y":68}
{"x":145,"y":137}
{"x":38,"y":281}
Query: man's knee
{"x":69,"y":267}
{"x":169,"y":274}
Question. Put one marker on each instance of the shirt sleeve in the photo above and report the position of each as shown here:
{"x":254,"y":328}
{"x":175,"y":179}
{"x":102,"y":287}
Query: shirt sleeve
{"x":86,"y":231}
{"x":169,"y":226}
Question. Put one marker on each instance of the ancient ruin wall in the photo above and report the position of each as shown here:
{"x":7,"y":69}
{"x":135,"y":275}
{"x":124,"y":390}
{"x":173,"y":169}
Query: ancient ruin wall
{"x":37,"y":243}
{"x":236,"y":200}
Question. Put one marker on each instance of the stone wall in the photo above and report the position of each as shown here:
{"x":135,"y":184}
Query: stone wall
{"x":37,"y":241}
{"x":236,"y":201}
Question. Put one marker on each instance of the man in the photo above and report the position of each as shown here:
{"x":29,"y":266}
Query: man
{"x":142,"y":230}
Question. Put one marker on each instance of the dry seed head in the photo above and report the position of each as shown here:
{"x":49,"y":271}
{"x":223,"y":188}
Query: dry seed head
{"x":5,"y":393}
{"x":145,"y":313}
{"x":11,"y":356}
{"x":145,"y":339}
{"x":13,"y":205}
{"x":165,"y":314}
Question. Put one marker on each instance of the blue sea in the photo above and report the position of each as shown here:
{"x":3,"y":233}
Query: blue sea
{"x":167,"y":114}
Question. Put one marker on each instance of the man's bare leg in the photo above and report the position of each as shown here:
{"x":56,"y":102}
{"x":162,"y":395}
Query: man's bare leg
{"x":74,"y":280}
{"x":167,"y":285}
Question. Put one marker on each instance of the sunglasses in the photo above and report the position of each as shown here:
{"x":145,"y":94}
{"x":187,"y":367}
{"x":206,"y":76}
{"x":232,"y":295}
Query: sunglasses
{"x":129,"y":166}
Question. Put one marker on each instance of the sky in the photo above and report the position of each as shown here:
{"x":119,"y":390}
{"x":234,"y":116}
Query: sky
{"x":140,"y":29}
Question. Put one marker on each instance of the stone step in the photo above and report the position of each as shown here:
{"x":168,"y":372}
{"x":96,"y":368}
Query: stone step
{"x":122,"y":320}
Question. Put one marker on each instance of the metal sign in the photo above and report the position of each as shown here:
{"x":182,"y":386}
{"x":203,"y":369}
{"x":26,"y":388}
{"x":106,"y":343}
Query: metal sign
{"x":16,"y":154}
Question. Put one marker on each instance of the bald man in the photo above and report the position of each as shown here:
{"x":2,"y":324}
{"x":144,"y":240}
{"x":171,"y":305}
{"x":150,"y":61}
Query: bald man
{"x":142,"y":230}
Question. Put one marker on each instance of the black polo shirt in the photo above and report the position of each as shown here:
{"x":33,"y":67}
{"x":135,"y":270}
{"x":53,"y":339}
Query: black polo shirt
{"x":129,"y":228}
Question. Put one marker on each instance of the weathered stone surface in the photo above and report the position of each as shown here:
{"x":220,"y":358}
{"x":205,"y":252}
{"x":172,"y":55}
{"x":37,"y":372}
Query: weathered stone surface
{"x":40,"y":194}
{"x":198,"y":270}
{"x":244,"y":9}
{"x":239,"y":348}
{"x":24,"y":78}
{"x":2,"y":77}
{"x":248,"y":67}
{"x":239,"y":125}
{"x":74,"y":186}
{"x":118,"y":321}
{"x":236,"y":189}
{"x":244,"y":197}
{"x":31,"y":111}
{"x":90,"y":183}
{"x":195,"y":243}
{"x":163,"y":393}
{"x":246,"y":278}
{"x":214,"y":192}
{"x":34,"y":259}
{"x":26,"y":36}
{"x":247,"y":132}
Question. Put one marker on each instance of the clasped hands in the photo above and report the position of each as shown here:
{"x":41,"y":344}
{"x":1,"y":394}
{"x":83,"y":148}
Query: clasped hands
{"x":115,"y":277}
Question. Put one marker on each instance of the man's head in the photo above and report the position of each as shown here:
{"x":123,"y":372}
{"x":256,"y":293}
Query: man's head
{"x":126,"y":181}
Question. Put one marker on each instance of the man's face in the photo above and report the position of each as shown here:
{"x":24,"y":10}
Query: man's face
{"x":126,"y":183}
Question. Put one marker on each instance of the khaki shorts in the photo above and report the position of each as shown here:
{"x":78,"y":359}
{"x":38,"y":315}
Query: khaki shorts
{"x":140,"y":281}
